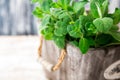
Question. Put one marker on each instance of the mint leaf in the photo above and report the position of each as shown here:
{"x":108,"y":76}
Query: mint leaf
{"x":34,"y":1}
{"x":64,"y":3}
{"x":61,"y":29}
{"x":57,"y":12}
{"x":45,"y":5}
{"x":59,"y":41}
{"x":91,"y":42}
{"x":103,"y":25}
{"x":83,"y":45}
{"x":116,"y":35}
{"x":108,"y":22}
{"x":94,"y":10}
{"x":99,"y":24}
{"x":77,"y":6}
{"x":38,"y":12}
{"x":99,"y":1}
{"x":116,"y":16}
{"x":63,"y":15}
{"x":45,"y":20}
{"x":47,"y":33}
{"x":90,"y":29}
{"x":99,"y":8}
{"x":105,"y":7}
{"x":74,"y":30}
{"x":114,"y":28}
{"x":85,"y":19}
{"x":103,"y":39}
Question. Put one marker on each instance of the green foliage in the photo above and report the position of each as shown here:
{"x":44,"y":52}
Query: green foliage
{"x":103,"y":25}
{"x":60,"y":28}
{"x":105,"y":7}
{"x":38,"y":12}
{"x":103,"y":39}
{"x":34,"y":1}
{"x":90,"y":29}
{"x":60,"y":41}
{"x":77,"y":6}
{"x":64,"y":3}
{"x":115,"y":16}
{"x":99,"y":8}
{"x":67,"y":21}
{"x":74,"y":30}
{"x":47,"y":33}
{"x":83,"y":45}
{"x":116,"y":35}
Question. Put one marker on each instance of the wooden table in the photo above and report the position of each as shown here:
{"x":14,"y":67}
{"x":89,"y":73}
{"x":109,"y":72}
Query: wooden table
{"x":18,"y":58}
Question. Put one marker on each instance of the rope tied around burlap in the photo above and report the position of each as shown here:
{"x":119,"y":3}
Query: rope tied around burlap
{"x":46,"y":64}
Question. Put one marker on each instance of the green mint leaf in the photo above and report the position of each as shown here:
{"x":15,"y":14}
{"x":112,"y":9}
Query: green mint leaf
{"x":94,"y":10}
{"x":57,"y":12}
{"x":116,"y":35}
{"x":91,"y":42}
{"x":38,"y":12}
{"x":84,"y":45}
{"x":116,"y":16}
{"x":85,"y":19}
{"x":108,"y":22}
{"x":66,"y":20}
{"x":59,"y":41}
{"x":103,"y":39}
{"x":60,"y":29}
{"x":103,"y":25}
{"x":63,"y":15}
{"x":34,"y":1}
{"x":47,"y":33}
{"x":99,"y":24}
{"x":90,"y":29}
{"x":74,"y":30}
{"x":55,"y":5}
{"x":45,"y":20}
{"x":45,"y":5}
{"x":114,"y":28}
{"x":80,"y":12}
{"x":64,"y":3}
{"x":98,"y":9}
{"x":77,"y":6}
{"x":105,"y":7}
{"x":99,"y":1}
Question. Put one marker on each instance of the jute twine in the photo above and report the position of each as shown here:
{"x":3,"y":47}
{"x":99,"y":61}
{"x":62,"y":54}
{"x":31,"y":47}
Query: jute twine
{"x":60,"y":60}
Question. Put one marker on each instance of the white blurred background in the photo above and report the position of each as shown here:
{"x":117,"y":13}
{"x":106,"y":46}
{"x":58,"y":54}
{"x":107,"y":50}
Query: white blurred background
{"x":19,"y":40}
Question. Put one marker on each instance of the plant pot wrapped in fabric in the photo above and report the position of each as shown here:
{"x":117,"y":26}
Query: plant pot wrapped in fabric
{"x":67,"y":23}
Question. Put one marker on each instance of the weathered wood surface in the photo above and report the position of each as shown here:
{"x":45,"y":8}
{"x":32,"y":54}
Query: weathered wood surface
{"x":50,"y":52}
{"x":80,"y":67}
{"x":16,"y":17}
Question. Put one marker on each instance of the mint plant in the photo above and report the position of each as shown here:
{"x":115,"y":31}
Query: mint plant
{"x":67,"y":21}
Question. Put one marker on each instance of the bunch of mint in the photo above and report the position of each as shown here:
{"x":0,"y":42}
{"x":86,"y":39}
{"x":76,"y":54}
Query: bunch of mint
{"x":67,"y":21}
